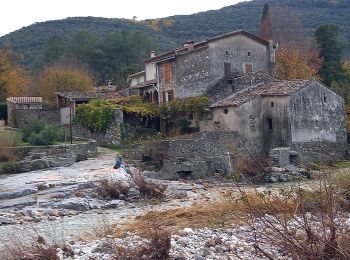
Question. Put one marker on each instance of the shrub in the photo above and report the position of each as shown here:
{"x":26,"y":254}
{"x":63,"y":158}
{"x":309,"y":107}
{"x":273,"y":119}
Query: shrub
{"x":249,"y":168}
{"x":148,"y":189}
{"x":157,"y":249}
{"x":32,"y":127}
{"x":38,"y":132}
{"x":183,"y":124}
{"x":111,"y":189}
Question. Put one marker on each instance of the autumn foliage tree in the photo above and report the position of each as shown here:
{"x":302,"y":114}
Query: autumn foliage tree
{"x":61,"y":79}
{"x":13,"y":78}
{"x":292,"y":63}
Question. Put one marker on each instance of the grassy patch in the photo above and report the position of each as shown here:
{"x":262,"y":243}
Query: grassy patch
{"x":342,"y":164}
{"x":114,"y":147}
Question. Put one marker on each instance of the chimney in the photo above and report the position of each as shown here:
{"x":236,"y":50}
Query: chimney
{"x":152,"y":53}
{"x":189,"y":45}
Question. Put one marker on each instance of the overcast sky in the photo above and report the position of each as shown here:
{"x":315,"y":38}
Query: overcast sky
{"x":18,"y":13}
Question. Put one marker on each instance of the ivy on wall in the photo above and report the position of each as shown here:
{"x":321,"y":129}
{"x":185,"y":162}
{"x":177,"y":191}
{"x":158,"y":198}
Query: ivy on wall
{"x":98,"y":115}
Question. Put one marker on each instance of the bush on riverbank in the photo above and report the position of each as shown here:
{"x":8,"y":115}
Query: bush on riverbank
{"x":38,"y":132}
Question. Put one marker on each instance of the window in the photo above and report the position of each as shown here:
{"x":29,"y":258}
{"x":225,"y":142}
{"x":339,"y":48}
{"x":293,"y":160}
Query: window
{"x":225,"y":111}
{"x":325,"y":99}
{"x":170,"y":95}
{"x":272,"y":104}
{"x":226,"y":53}
{"x":269,"y":123}
{"x":167,"y":71}
{"x":227,"y":69}
{"x":249,"y":54}
{"x":248,"y":68}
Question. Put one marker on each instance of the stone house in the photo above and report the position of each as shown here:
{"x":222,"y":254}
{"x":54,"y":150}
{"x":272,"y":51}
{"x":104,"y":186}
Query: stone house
{"x":197,"y":68}
{"x":304,"y":115}
{"x":23,"y":109}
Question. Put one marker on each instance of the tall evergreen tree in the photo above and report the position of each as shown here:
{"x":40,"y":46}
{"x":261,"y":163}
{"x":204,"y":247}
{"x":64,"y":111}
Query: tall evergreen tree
{"x":329,"y":46}
{"x":265,"y":24}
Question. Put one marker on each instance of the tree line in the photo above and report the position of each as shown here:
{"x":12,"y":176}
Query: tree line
{"x":112,"y":57}
{"x":76,"y":65}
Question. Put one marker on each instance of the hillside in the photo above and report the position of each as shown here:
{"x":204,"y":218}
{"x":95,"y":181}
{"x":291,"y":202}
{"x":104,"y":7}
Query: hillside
{"x":173,"y":31}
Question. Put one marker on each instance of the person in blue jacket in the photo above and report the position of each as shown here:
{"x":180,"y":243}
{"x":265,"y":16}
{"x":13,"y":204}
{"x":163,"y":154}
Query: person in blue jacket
{"x":120,"y":164}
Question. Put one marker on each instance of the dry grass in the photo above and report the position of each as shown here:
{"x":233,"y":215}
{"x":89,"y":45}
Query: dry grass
{"x":226,"y":211}
{"x":32,"y":246}
{"x":8,"y":140}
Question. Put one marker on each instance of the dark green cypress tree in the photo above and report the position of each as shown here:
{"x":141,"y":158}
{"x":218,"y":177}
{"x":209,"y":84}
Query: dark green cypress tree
{"x":329,"y":46}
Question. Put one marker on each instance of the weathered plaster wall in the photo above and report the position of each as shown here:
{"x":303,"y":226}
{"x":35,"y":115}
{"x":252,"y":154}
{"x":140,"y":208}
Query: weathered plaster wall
{"x":150,"y":70}
{"x":317,"y":115}
{"x":318,"y":124}
{"x":235,"y":51}
{"x":276,"y":111}
{"x":137,"y":80}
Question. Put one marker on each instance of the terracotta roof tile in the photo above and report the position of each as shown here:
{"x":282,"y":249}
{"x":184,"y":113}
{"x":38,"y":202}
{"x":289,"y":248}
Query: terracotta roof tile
{"x":25,"y":100}
{"x":78,"y":96}
{"x":273,"y":88}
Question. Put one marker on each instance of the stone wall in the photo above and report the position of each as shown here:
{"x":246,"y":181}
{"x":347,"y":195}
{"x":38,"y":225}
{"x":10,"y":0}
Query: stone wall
{"x":32,"y":158}
{"x":111,"y":136}
{"x":20,"y":116}
{"x":199,"y":155}
{"x":319,"y":152}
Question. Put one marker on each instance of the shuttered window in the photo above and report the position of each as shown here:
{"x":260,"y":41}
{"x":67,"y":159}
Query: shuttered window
{"x":167,"y":71}
{"x":248,"y":68}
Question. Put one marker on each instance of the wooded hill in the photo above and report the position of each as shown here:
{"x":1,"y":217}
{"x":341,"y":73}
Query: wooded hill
{"x":173,"y":31}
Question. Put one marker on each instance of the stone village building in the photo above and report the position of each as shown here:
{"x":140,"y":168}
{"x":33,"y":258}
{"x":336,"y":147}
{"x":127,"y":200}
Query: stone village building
{"x":198,"y":68}
{"x":236,"y":71}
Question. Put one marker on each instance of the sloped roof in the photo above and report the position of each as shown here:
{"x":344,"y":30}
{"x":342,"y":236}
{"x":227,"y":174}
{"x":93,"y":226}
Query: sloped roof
{"x":273,"y":88}
{"x":25,"y":100}
{"x":78,"y":96}
{"x":202,"y":44}
{"x":144,"y":84}
{"x":140,"y":73}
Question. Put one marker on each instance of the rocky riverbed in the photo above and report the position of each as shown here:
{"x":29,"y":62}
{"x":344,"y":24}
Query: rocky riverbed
{"x":62,"y":206}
